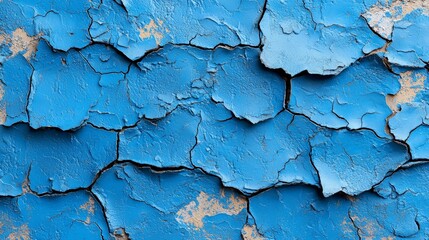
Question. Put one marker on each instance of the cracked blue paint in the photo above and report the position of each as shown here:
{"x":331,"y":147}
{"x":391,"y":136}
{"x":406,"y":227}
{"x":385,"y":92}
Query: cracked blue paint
{"x":52,"y":160}
{"x":177,"y":130}
{"x":252,"y":157}
{"x":409,"y":45}
{"x":140,"y":26}
{"x":32,"y":217}
{"x":15,"y":86}
{"x":132,"y":119}
{"x":320,"y":37}
{"x":355,"y":99}
{"x":171,"y":204}
{"x":354,"y":161}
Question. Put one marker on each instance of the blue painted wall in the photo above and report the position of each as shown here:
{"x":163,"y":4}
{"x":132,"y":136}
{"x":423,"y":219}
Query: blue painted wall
{"x":215,"y":119}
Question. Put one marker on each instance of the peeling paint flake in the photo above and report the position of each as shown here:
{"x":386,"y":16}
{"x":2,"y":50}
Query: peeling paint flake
{"x":69,"y":160}
{"x":320,"y":37}
{"x":355,"y":99}
{"x":354,"y":161}
{"x":170,"y":204}
{"x":252,"y":157}
{"x":141,"y":26}
{"x":410,"y":40}
{"x":51,"y":217}
{"x":214,"y":119}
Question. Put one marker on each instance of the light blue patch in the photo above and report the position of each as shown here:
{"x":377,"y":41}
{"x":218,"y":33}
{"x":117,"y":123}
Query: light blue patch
{"x":410,"y":41}
{"x":320,"y":37}
{"x":354,"y":161}
{"x":355,"y":99}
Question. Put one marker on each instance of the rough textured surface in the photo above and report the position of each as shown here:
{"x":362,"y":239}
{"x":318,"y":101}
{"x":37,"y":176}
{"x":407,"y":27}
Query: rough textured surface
{"x":172,"y":204}
{"x":320,"y":37}
{"x":218,"y":119}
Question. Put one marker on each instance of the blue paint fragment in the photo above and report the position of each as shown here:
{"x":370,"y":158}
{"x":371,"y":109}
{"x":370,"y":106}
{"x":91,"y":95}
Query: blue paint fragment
{"x":63,"y":24}
{"x":299,"y":212}
{"x":15,"y":86}
{"x":419,"y":142}
{"x":320,"y":37}
{"x":52,"y":160}
{"x":245,"y":87}
{"x":354,"y":161}
{"x":164,"y":143}
{"x":411,"y":118}
{"x":401,"y":211}
{"x":198,"y":104}
{"x":76,"y":214}
{"x":180,"y":75}
{"x":410,"y":40}
{"x":64,"y":87}
{"x":408,"y":119}
{"x":104,"y":59}
{"x":252,"y":157}
{"x":135,"y":27}
{"x":355,"y":99}
{"x":172,"y":204}
{"x":167,"y":78}
{"x":113,"y":109}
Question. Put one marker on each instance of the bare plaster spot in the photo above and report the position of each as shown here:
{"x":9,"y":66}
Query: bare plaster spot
{"x":155,"y":30}
{"x":411,"y":85}
{"x":2,"y":105}
{"x":207,"y":206}
{"x":90,"y":207}
{"x":121,"y":234}
{"x":20,"y":233}
{"x":251,"y":233}
{"x":21,"y":42}
{"x":381,"y":17}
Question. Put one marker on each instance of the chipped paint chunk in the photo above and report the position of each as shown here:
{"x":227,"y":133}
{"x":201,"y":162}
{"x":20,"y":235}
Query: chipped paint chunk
{"x":63,"y":89}
{"x":69,"y":160}
{"x":410,"y":43}
{"x":320,"y":37}
{"x":177,"y":132}
{"x":252,"y":157}
{"x":51,"y":217}
{"x":299,"y":212}
{"x":63,"y":24}
{"x":142,"y":26}
{"x":354,"y":161}
{"x":383,"y":15}
{"x":177,"y":75}
{"x":170,"y":204}
{"x":355,"y":99}
{"x":15,"y":77}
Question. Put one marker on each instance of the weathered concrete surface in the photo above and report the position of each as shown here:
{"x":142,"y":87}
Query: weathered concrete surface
{"x":135,"y":119}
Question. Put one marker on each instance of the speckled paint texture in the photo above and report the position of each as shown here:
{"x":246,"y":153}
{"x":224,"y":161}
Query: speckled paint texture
{"x":214,"y":119}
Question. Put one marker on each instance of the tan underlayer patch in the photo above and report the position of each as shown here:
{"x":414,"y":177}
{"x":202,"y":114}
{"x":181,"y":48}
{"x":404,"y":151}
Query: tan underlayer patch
{"x":207,"y":206}
{"x":2,"y":106}
{"x":20,"y":233}
{"x":21,"y":42}
{"x":382,"y":17}
{"x":90,"y":207}
{"x":155,"y":30}
{"x":411,"y":85}
{"x":251,"y":233}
